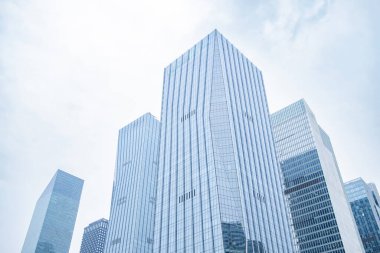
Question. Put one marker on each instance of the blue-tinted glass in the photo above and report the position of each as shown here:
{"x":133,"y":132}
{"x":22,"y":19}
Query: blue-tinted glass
{"x":364,"y":199}
{"x":321,"y":217}
{"x":219,"y":187}
{"x":94,"y":237}
{"x":54,"y":216}
{"x":134,"y":190}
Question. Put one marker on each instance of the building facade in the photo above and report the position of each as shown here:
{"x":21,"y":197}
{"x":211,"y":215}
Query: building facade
{"x":52,"y":224}
{"x":94,"y":237}
{"x":219,"y":187}
{"x":131,"y":219}
{"x":364,"y":199}
{"x":321,"y":217}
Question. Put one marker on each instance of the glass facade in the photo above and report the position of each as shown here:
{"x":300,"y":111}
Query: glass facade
{"x":94,"y":237}
{"x":52,"y":224}
{"x":364,"y":199}
{"x":321,"y":217}
{"x":134,"y":189}
{"x":219,"y":187}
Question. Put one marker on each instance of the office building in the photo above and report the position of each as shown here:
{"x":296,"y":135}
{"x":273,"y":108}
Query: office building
{"x":131,"y":219}
{"x":94,"y":237}
{"x":219,"y":186}
{"x":321,"y":216}
{"x":52,"y":224}
{"x":364,"y":199}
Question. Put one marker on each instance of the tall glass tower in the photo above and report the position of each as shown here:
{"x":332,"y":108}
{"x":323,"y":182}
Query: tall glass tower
{"x":134,"y":189}
{"x":219,"y":187}
{"x":322,"y":218}
{"x":94,"y":237}
{"x":54,"y":216}
{"x":364,"y":199}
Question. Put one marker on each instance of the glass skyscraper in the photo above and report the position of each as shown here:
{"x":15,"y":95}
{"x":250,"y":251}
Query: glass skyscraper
{"x":52,"y":224}
{"x":219,"y":186}
{"x":94,"y":237}
{"x":134,"y":188}
{"x":364,"y":199}
{"x":321,"y":216}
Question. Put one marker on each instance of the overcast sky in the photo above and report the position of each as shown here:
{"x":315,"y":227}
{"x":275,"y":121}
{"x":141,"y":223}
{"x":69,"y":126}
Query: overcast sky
{"x":73,"y":72}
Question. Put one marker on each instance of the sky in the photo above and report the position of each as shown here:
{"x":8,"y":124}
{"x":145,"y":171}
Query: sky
{"x":73,"y":72}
